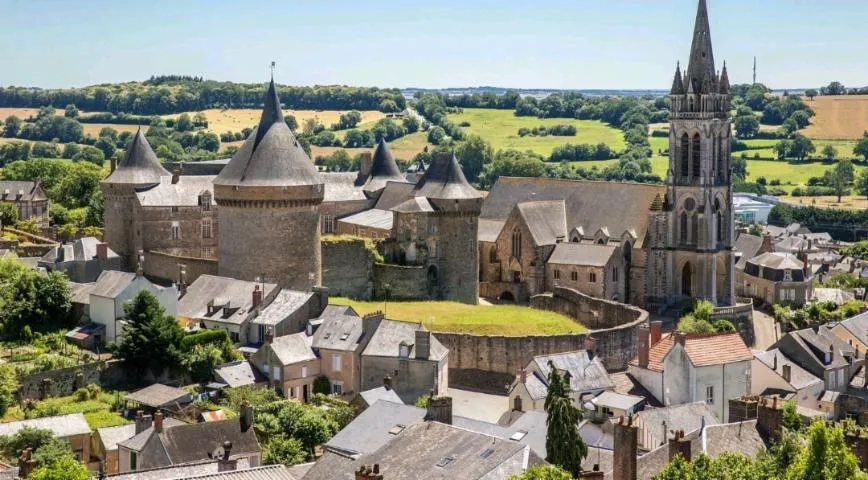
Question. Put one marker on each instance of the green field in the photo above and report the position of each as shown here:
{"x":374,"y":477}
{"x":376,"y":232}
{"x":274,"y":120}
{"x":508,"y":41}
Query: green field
{"x":500,"y":128}
{"x":453,"y":317}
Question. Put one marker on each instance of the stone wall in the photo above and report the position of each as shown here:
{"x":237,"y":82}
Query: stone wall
{"x":347,"y":268}
{"x":591,"y":312}
{"x":63,"y":381}
{"x":401,"y":282}
{"x":162,"y":267}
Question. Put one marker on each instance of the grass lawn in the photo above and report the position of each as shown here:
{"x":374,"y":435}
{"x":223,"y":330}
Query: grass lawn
{"x":97,"y":411}
{"x":500,"y":128}
{"x":453,"y":317}
{"x":789,"y":173}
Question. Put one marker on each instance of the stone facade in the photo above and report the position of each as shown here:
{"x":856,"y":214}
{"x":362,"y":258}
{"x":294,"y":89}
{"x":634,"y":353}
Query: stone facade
{"x":347,"y":268}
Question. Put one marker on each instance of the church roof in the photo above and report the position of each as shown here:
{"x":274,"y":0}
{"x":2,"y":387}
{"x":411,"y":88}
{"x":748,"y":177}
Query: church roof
{"x":445,"y":180}
{"x":271,"y":156}
{"x":383,"y":169}
{"x":140,"y":165}
{"x":700,"y":71}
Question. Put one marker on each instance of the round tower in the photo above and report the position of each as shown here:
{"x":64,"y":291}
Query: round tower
{"x":139,"y":169}
{"x":269,"y":196}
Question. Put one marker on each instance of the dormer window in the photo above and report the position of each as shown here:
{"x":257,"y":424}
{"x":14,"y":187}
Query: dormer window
{"x":403,"y":350}
{"x":205,"y":202}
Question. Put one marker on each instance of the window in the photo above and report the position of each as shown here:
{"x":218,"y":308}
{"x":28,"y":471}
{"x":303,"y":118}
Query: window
{"x":492,"y":256}
{"x":403,"y":350}
{"x":336,"y":363}
{"x":338,"y":388}
{"x":304,"y":371}
{"x":709,"y":394}
{"x":682,"y":226}
{"x":696,"y":156}
{"x":234,"y":337}
{"x":205,"y":202}
{"x":788,"y":275}
{"x":516,"y":243}
{"x":176,"y":231}
{"x":518,"y":436}
{"x":206,"y":228}
{"x":830,"y":380}
{"x":557,"y":274}
{"x":614,"y":273}
{"x":445,"y":461}
{"x":685,"y":152}
{"x":841,"y":377}
{"x":174,"y":209}
{"x":398,"y":428}
{"x":207,"y":252}
{"x":592,"y":277}
{"x":328,"y":224}
{"x":291,"y":392}
{"x":574,"y":276}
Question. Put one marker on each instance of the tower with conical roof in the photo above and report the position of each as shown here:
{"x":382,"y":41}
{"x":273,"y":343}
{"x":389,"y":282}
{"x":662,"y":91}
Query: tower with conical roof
{"x":139,"y":169}
{"x":691,"y":250}
{"x":383,"y":169}
{"x":269,"y":196}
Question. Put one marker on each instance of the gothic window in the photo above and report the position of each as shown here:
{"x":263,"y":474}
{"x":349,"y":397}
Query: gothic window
{"x":574,"y":276}
{"x":723,"y":160}
{"x":694,"y":228}
{"x":718,"y":217}
{"x":696,"y":156}
{"x":683,"y":227}
{"x":685,"y":158}
{"x":205,"y":202}
{"x":557,"y":274}
{"x":516,"y":243}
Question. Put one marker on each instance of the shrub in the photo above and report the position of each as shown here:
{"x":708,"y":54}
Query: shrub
{"x":322,"y":385}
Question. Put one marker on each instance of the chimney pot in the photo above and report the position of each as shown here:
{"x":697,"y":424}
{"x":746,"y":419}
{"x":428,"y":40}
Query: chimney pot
{"x":158,"y":422}
{"x":656,"y":328}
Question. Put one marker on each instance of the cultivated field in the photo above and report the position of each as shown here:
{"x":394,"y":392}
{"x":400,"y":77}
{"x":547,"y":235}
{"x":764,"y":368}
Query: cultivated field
{"x":848,"y":202}
{"x":93,"y":129}
{"x":841,"y":117}
{"x":237,"y":119}
{"x":500,"y":128}
{"x":22,"y":113}
{"x":509,"y":320}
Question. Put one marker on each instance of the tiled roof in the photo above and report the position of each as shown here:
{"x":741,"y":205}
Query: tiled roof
{"x":211,"y":288}
{"x":198,"y":441}
{"x":386,"y":340}
{"x":159,"y":395}
{"x":339,"y":332}
{"x":687,"y":417}
{"x":111,"y":283}
{"x":285,"y":303}
{"x":701,"y":349}
{"x":238,"y":374}
{"x":60,"y":425}
{"x":585,"y":373}
{"x":748,"y":246}
{"x":777,"y":260}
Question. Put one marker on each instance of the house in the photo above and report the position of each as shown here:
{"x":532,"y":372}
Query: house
{"x":159,"y":397}
{"x":415,"y":359}
{"x":104,"y":442}
{"x":853,"y":330}
{"x":339,"y":342}
{"x":655,"y":423}
{"x":163,"y":445}
{"x":290,"y":364}
{"x":113,"y":289}
{"x":287,"y":313}
{"x":775,"y":277}
{"x":589,"y":268}
{"x":72,"y":428}
{"x":29,"y":197}
{"x":583,"y":370}
{"x":772,"y":372}
{"x":684,"y":368}
{"x":240,"y":373}
{"x":369,"y":397}
{"x":82,"y":260}
{"x":823,"y":354}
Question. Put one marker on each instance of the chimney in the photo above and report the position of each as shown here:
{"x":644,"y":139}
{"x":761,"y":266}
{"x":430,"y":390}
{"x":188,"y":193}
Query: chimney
{"x":775,"y":362}
{"x":367,"y":472}
{"x":25,"y":463}
{"x":522,"y":375}
{"x":423,"y":344}
{"x":387,"y":382}
{"x":644,"y":348}
{"x":322,"y":301}
{"x":656,"y":332}
{"x":102,"y":251}
{"x":257,"y":297}
{"x":786,"y":372}
{"x":176,"y":176}
{"x":625,"y":448}
{"x":245,"y":416}
{"x":366,"y":164}
{"x":158,"y":422}
{"x":681,"y":338}
{"x":370,"y":323}
{"x":269,"y":336}
{"x":143,"y":422}
{"x":769,"y":417}
{"x":678,"y":445}
{"x":224,"y":464}
{"x":439,"y":409}
{"x":591,"y":346}
{"x":767,"y":244}
{"x":743,"y":408}
{"x":595,"y":473}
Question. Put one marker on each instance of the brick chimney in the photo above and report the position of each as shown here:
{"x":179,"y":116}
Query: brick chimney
{"x":678,"y":445}
{"x":25,"y":463}
{"x":269,"y":335}
{"x":224,"y":464}
{"x":644,"y":347}
{"x":102,"y":251}
{"x":625,"y":448}
{"x":257,"y":297}
{"x":743,"y":408}
{"x":767,"y":245}
{"x":656,"y":329}
{"x":423,"y":344}
{"x":769,"y":417}
{"x":245,"y":416}
{"x":143,"y":422}
{"x":440,"y":409}
{"x":158,"y":422}
{"x":367,"y":472}
{"x":370,"y":323}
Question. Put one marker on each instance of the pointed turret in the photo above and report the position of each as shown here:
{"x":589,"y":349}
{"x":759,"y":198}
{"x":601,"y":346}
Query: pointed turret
{"x":383,"y":169}
{"x":724,"y":81}
{"x":445,"y":180}
{"x":677,"y":83}
{"x":140,"y":165}
{"x":700,"y":70}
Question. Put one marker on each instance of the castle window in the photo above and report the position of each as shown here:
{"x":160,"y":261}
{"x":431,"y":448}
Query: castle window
{"x":696,"y":155}
{"x":205,"y":203}
{"x":174,"y":209}
{"x":685,"y":155}
{"x":516,"y":243}
{"x":574,"y":276}
{"x":328,"y":224}
{"x":592,"y":277}
{"x":207,"y":231}
{"x":557,"y":274}
{"x":176,"y":231}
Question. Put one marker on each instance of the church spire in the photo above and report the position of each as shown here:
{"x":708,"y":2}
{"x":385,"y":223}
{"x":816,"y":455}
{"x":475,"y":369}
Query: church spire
{"x":677,"y":83}
{"x":724,"y":81}
{"x":700,"y":71}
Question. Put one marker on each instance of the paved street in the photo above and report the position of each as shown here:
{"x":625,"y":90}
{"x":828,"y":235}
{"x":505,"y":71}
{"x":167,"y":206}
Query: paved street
{"x":764,"y":330}
{"x":478,"y":406}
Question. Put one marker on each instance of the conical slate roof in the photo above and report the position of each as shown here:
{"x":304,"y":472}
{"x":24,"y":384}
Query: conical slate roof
{"x":677,"y":83}
{"x":140,"y":165}
{"x":383,"y":169}
{"x":445,"y":180}
{"x":271,"y":156}
{"x":700,"y":71}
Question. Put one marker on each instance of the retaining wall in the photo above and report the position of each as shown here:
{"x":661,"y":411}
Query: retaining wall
{"x":163,"y":266}
{"x":63,"y":381}
{"x":347,"y":268}
{"x":401,"y":282}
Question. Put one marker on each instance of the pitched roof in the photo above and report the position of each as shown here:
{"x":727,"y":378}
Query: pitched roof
{"x":546,"y":220}
{"x":585,"y":373}
{"x":110,"y":437}
{"x":198,"y":441}
{"x":179,"y":472}
{"x":61,"y":425}
{"x":799,"y":377}
{"x":271,"y":156}
{"x":373,"y":218}
{"x":590,"y":205}
{"x":30,"y":190}
{"x":111,"y":283}
{"x":268,"y":472}
{"x":339,"y":332}
{"x":413,"y":205}
{"x":137,"y":442}
{"x":140,"y":165}
{"x":285,"y":303}
{"x":489,"y":230}
{"x":159,"y":395}
{"x":383,"y":169}
{"x":380,"y":393}
{"x":238,"y":294}
{"x":389,"y":335}
{"x":582,"y":254}
{"x":677,"y":82}
{"x":184,"y":193}
{"x":293,"y":348}
{"x":857,"y":326}
{"x":445,"y":180}
{"x":370,"y":430}
{"x":238,"y":374}
{"x":342,"y":187}
{"x":701,"y":349}
{"x":748,"y":245}
{"x":617,"y":400}
{"x":394,"y":193}
{"x":81,"y":292}
{"x":687,"y":417}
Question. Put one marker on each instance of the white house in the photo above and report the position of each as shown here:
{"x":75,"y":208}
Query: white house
{"x":114,"y":289}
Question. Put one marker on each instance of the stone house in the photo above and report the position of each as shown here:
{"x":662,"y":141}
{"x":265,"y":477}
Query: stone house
{"x":772,"y":372}
{"x":290,"y":364}
{"x":72,"y":428}
{"x":113,"y":290}
{"x":583,"y":371}
{"x":82,"y":260}
{"x":592,"y":269}
{"x":824,"y":355}
{"x":655,"y":423}
{"x":339,"y":341}
{"x":853,"y":330}
{"x":775,"y":277}
{"x":104,"y":442}
{"x":683,"y":368}
{"x":29,"y":197}
{"x":288,"y":313}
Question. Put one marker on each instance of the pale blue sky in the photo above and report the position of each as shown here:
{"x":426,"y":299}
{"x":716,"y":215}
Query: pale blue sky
{"x":444,"y":43}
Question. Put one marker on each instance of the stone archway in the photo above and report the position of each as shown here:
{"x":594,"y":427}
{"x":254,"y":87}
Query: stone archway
{"x":687,"y":280}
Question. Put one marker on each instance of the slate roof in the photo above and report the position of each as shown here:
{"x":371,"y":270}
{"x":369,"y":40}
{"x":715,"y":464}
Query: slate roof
{"x":589,"y":205}
{"x":238,"y":374}
{"x":748,"y":245}
{"x":208,"y":288}
{"x":111,"y":283}
{"x":110,"y":437}
{"x":585,"y":373}
{"x":687,"y":417}
{"x":140,"y":165}
{"x":383,"y":169}
{"x":617,"y":400}
{"x":185,"y":193}
{"x":601,"y":435}
{"x":808,"y":348}
{"x":177,"y":472}
{"x":546,"y":220}
{"x":80,"y":292}
{"x":137,"y":442}
{"x":285,"y":303}
{"x":380,"y":393}
{"x":385,"y":341}
{"x":582,"y":254}
{"x":857,"y":326}
{"x":393,"y":194}
{"x":268,"y":472}
{"x":489,"y":230}
{"x":536,"y":386}
{"x":341,"y":187}
{"x":82,"y":249}
{"x":339,"y":332}
{"x":373,"y":218}
{"x":61,"y":426}
{"x":626,"y":384}
{"x":30,"y":191}
{"x":159,"y":395}
{"x":192,"y":442}
{"x":701,"y":349}
{"x":799,"y":377}
{"x":293,"y":348}
{"x":700,"y":75}
{"x":413,"y":205}
{"x":777,"y":261}
{"x":271,"y":156}
{"x":370,"y":429}
{"x":444,"y":180}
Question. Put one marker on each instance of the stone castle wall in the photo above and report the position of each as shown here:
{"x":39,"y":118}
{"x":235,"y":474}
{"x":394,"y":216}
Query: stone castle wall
{"x":347,"y":268}
{"x":459,"y":257}
{"x":162,"y":266}
{"x":401,"y":282}
{"x":63,"y":381}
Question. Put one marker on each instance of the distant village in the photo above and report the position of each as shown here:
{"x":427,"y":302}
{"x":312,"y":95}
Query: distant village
{"x":702,"y":332}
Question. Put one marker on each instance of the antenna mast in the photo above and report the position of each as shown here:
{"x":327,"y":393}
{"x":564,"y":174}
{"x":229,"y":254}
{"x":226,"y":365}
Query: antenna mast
{"x":754,"y":70}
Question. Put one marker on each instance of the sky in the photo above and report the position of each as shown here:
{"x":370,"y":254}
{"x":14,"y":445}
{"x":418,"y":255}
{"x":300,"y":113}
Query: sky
{"x":574,"y":44}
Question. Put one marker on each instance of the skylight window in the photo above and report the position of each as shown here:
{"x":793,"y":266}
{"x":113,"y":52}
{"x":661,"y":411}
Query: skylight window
{"x":397,"y":429}
{"x":345,"y":336}
{"x":445,"y":461}
{"x":486,"y":453}
{"x":518,"y":436}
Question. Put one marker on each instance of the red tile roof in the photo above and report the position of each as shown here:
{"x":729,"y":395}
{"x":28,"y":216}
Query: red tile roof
{"x":701,"y":349}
